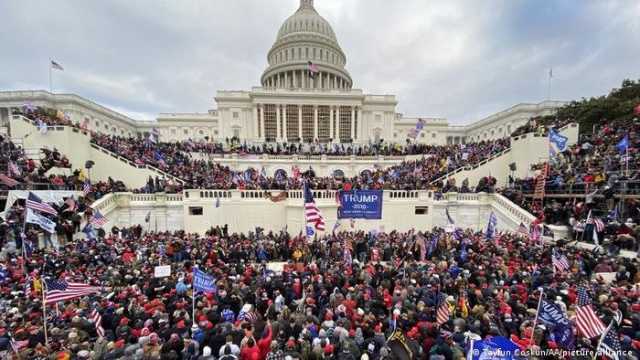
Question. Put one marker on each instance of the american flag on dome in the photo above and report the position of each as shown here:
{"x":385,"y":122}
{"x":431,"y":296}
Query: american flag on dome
{"x":60,"y":290}
{"x":313,"y":69}
{"x":442,"y":315}
{"x":97,"y":321}
{"x":312,"y":214}
{"x":35,"y":203}
{"x":98,"y":220}
{"x":587,"y":322}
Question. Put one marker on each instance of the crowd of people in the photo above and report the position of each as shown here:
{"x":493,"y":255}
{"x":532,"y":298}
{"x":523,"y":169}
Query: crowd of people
{"x":409,"y":175}
{"x":588,"y":179}
{"x":177,"y":159}
{"x":337,"y":297}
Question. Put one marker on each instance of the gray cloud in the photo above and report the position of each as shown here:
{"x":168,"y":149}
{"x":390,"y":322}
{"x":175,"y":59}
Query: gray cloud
{"x":457,"y":59}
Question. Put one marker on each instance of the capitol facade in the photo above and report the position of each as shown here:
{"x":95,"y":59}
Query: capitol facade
{"x":306,"y":94}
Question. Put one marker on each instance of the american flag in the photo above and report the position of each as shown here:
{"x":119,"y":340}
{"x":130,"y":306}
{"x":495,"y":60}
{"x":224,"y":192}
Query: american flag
{"x":598,"y":224}
{"x":55,"y":65}
{"x":35,"y":203}
{"x":98,"y":220}
{"x":27,"y":286}
{"x":609,"y":344}
{"x":588,"y":323}
{"x":60,"y":290}
{"x":442,"y":315}
{"x":313,"y":69}
{"x":97,"y":321}
{"x":522,"y":229}
{"x":86,"y":188}
{"x":560,"y":262}
{"x":311,"y":212}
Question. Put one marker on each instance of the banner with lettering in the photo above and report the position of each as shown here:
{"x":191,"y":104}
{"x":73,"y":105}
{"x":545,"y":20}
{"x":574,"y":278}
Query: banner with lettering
{"x":360,"y":204}
{"x":203,"y":281}
{"x":560,"y":328}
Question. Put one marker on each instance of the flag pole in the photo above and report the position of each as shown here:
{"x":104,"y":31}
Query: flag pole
{"x":549,"y":85}
{"x":50,"y":79}
{"x":44,"y":310}
{"x":595,"y":354}
{"x":535,"y":320}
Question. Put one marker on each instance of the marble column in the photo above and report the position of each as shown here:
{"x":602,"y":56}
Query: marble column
{"x":353,"y":123}
{"x":300,"y":123}
{"x":262,"y":134}
{"x":278,"y":123}
{"x":315,"y":122}
{"x":284,"y":122}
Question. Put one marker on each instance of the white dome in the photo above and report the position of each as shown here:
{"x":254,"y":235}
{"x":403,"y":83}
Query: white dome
{"x":307,"y":20}
{"x":306,"y":37}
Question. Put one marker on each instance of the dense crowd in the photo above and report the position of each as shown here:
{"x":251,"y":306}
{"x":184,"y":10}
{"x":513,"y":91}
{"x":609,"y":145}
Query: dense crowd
{"x":338,"y":297}
{"x":596,"y":169}
{"x":177,"y":159}
{"x":417,"y":174}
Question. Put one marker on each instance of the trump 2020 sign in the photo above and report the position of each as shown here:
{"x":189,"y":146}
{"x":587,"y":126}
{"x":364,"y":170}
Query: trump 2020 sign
{"x":360,"y":204}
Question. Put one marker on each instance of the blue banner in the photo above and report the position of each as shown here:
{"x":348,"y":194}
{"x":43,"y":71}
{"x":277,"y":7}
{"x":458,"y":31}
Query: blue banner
{"x":495,"y":348}
{"x":203,"y":281}
{"x":560,"y":327}
{"x":360,"y":204}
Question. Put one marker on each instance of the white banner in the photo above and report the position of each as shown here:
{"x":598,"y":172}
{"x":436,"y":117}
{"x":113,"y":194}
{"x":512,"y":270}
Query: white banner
{"x":162,"y":271}
{"x":46,"y":224}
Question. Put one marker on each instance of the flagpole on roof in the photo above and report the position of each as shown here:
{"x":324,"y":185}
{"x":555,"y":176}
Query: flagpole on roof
{"x":50,"y":81}
{"x":549,"y":85}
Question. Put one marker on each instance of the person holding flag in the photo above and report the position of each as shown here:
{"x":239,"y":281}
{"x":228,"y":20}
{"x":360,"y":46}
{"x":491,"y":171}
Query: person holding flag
{"x":491,"y":226}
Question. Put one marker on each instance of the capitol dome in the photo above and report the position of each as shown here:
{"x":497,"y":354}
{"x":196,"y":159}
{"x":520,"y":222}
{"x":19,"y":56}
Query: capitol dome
{"x":306,"y":37}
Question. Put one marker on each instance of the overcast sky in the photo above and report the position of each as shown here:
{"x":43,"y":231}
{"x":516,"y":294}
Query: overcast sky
{"x":462,"y":60}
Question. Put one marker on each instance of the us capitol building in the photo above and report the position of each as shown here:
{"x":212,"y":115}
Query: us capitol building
{"x":290,"y":105}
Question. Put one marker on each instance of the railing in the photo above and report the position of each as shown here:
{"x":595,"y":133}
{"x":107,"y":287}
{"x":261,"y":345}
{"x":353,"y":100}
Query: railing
{"x":322,"y":195}
{"x":100,"y":148}
{"x":471,"y":166}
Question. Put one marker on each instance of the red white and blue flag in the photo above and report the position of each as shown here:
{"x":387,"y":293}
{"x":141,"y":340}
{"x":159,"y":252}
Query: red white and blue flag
{"x":312,"y":214}
{"x":55,"y":65}
{"x":97,"y":321}
{"x":60,"y":290}
{"x":587,"y":322}
{"x":35,"y":203}
{"x":560,"y":262}
{"x":98,"y":220}
{"x":86,"y":188}
{"x":313,"y":70}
